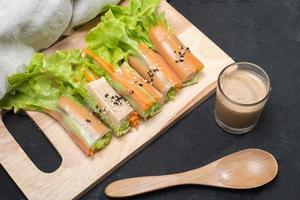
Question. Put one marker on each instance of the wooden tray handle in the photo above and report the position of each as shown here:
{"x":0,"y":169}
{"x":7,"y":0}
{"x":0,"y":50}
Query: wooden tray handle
{"x":9,"y":147}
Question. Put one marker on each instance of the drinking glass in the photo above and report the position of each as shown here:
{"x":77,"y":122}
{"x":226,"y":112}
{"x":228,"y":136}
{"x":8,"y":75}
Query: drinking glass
{"x":243,"y":89}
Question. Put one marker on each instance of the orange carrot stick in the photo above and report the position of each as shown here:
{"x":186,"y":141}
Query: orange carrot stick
{"x":134,"y":119}
{"x":86,"y":75}
{"x":107,"y":66}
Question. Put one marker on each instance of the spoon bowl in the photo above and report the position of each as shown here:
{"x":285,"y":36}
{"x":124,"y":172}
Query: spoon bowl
{"x":244,"y":169}
{"x":247,"y":169}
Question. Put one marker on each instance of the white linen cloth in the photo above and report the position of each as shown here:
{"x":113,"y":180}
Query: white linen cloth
{"x":30,"y":25}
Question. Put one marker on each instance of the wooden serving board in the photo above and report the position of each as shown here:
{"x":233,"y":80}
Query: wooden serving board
{"x":78,"y":172}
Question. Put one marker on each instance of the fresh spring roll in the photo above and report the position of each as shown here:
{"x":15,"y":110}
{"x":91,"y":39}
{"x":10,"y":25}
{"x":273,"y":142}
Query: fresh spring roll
{"x":117,"y":109}
{"x":83,"y":127}
{"x":178,"y":56}
{"x":152,"y":67}
{"x":142,"y":96}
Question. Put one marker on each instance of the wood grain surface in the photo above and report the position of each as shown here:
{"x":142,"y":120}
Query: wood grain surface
{"x":78,"y":172}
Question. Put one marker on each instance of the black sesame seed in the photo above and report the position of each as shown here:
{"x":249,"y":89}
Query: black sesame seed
{"x":131,"y":92}
{"x":88,"y":121}
{"x":140,"y":84}
{"x":106,"y":95}
{"x":150,"y":74}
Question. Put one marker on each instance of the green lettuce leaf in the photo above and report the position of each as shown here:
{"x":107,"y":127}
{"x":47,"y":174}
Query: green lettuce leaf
{"x":122,"y":28}
{"x":193,"y":81}
{"x":110,"y":41}
{"x":103,"y":142}
{"x":139,"y":16}
{"x":155,"y":108}
{"x":171,"y":94}
{"x":122,"y":129}
{"x":40,"y":93}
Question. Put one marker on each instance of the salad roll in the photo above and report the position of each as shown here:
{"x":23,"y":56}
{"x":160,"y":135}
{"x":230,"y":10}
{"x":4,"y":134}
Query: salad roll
{"x":178,"y":56}
{"x":142,"y":96}
{"x":116,"y":108}
{"x":152,"y":67}
{"x":83,"y":127}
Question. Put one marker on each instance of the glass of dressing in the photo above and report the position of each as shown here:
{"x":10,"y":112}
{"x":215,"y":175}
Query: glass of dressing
{"x":242,"y":91}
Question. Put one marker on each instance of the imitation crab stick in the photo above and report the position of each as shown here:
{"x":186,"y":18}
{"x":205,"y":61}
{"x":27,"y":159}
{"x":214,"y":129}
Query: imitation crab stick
{"x":178,"y":56}
{"x":155,"y":70}
{"x":145,"y":100}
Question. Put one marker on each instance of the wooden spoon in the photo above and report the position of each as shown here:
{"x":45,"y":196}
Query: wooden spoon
{"x":244,"y":169}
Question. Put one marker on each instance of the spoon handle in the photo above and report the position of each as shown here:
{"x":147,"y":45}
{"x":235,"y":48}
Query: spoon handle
{"x":139,"y":185}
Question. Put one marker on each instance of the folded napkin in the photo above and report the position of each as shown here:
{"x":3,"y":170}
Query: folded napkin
{"x":30,"y":25}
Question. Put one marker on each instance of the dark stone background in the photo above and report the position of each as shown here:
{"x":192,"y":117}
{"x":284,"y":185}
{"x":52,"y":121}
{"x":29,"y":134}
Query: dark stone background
{"x":266,"y":32}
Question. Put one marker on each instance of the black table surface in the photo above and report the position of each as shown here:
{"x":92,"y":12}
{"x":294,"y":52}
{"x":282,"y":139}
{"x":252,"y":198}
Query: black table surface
{"x":263,"y":32}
